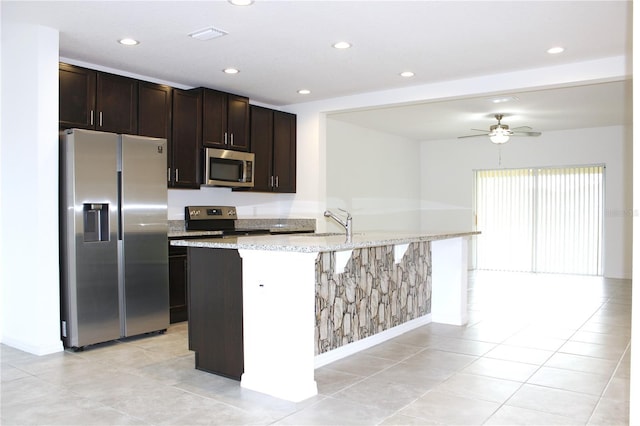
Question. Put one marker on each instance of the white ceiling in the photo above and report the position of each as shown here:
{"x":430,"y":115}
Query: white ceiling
{"x":283,"y":46}
{"x":595,"y":105}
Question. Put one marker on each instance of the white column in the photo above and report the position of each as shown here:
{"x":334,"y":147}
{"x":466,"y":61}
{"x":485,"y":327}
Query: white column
{"x":278,"y":290}
{"x":449,"y":281}
{"x":30,"y":299}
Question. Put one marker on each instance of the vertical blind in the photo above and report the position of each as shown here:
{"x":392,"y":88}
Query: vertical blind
{"x":541,"y":220}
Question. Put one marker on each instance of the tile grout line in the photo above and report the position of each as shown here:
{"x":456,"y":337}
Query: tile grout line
{"x":606,"y":387}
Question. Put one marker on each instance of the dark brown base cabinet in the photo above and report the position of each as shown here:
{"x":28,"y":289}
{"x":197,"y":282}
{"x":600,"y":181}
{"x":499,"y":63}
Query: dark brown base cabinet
{"x":215,"y":310}
{"x":178,"y":297}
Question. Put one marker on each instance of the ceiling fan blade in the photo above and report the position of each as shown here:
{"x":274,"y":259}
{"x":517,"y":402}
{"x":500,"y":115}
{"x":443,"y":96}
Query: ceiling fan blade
{"x":473,"y":136}
{"x":527,"y":134}
{"x":481,"y":130}
{"x":522,"y":129}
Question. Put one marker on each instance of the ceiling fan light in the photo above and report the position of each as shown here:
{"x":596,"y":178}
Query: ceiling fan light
{"x":499,"y":138}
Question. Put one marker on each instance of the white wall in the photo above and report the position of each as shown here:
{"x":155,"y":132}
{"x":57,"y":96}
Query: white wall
{"x":30,"y":313}
{"x":374,"y":176}
{"x":450,"y":206}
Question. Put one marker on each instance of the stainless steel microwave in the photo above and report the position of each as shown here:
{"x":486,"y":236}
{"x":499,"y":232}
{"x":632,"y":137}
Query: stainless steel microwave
{"x":223,"y":167}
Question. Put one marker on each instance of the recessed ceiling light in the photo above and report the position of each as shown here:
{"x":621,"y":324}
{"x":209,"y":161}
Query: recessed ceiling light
{"x":503,"y":99}
{"x":128,"y":41}
{"x":231,"y":70}
{"x":207,"y":33}
{"x":241,"y":2}
{"x":304,"y":91}
{"x":407,"y":74}
{"x":555,"y":50}
{"x":342,"y":45}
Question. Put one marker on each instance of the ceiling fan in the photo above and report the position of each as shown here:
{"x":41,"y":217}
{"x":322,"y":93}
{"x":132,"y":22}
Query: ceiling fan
{"x":500,"y":133}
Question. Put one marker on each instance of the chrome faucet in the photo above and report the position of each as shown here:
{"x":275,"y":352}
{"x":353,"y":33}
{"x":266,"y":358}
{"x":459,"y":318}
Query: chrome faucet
{"x":347,"y":223}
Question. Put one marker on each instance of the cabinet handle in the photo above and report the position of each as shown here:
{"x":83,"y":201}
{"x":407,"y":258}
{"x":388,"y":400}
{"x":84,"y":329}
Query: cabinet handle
{"x":271,"y":181}
{"x":91,"y":119}
{"x":277,"y":181}
{"x":225,"y":138}
{"x":231,"y":138}
{"x":176,"y":175}
{"x":100,"y":118}
{"x":168,"y":174}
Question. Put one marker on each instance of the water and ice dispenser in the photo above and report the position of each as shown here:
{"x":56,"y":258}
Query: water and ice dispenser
{"x":96,"y":222}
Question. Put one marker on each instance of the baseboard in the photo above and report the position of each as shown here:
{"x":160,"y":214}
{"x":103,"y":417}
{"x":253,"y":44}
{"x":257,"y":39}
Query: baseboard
{"x":352,"y":348}
{"x":33,"y":349}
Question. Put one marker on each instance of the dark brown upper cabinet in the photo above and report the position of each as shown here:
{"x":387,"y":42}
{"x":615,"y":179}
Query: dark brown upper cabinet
{"x":95,"y":100}
{"x":77,"y":97}
{"x":225,"y":120}
{"x":185,"y":151}
{"x":154,"y":110}
{"x":273,"y":141}
{"x":262,"y":147}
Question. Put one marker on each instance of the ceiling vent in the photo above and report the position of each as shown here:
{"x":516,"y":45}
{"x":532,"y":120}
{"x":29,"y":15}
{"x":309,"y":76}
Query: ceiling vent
{"x":207,"y":33}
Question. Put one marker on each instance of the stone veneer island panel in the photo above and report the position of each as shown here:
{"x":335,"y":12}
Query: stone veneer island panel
{"x":371,"y":295}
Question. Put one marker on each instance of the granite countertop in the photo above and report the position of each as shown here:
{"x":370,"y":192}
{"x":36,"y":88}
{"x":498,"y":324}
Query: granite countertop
{"x":310,"y":243}
{"x":274,"y":226}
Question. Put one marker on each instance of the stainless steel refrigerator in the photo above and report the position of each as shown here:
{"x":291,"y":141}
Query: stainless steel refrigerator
{"x":113,"y":236}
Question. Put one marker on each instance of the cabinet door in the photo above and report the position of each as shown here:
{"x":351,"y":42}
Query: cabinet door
{"x":214,"y":119}
{"x":154,"y":110}
{"x":238,"y":122}
{"x":215,"y":310}
{"x":186,"y":140}
{"x":77,"y":101}
{"x":284,"y":151}
{"x":117,"y":104}
{"x":262,"y":147}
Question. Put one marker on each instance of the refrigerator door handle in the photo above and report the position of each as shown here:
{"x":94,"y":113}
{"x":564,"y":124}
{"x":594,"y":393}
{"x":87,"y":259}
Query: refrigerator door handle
{"x":120,"y":230}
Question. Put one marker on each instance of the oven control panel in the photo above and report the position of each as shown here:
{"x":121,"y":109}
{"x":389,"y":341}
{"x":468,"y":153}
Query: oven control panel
{"x":210,"y":213}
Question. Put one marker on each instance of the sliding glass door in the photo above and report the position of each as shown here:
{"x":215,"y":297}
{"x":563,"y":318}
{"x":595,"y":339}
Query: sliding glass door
{"x":540,"y":219}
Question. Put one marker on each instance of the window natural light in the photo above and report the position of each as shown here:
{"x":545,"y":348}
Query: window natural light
{"x":540,"y":219}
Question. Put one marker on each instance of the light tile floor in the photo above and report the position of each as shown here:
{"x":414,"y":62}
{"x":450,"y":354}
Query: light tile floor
{"x":539,"y":349}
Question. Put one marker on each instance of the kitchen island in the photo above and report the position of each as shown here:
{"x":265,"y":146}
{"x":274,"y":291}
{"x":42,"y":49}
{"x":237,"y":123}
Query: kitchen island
{"x":310,"y":299}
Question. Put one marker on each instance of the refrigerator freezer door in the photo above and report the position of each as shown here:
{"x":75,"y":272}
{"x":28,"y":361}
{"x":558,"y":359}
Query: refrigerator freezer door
{"x":144,"y":245}
{"x":89,"y":258}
